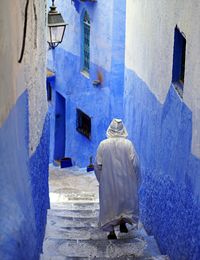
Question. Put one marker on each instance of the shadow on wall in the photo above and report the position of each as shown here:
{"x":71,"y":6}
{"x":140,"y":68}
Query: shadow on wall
{"x":162,"y":135}
{"x":17,"y":222}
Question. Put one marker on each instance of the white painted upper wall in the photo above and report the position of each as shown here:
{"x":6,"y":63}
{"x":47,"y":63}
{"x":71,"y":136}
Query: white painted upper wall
{"x":11,"y":73}
{"x":16,"y":77}
{"x":149,"y":49}
{"x":35,"y":70}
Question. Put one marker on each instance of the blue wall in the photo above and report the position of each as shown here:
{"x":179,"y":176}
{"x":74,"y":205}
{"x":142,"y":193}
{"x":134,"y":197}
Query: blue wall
{"x":39,"y":171}
{"x":102,"y":102}
{"x":79,"y":92}
{"x":170,"y":208}
{"x":23,"y":187}
{"x":118,"y":56}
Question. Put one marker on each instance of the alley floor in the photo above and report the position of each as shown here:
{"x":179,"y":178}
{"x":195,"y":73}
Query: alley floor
{"x":72,"y":226}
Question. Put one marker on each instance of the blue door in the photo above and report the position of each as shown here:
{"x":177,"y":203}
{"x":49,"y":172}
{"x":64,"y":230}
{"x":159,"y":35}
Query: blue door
{"x":59,"y":148}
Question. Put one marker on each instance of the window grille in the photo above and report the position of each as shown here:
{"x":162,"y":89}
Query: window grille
{"x":86,"y":42}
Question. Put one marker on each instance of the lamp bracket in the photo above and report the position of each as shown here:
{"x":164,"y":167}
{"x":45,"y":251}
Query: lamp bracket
{"x":53,"y":8}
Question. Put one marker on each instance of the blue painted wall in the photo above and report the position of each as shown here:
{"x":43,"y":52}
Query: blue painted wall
{"x":79,"y":92}
{"x":23,"y":186}
{"x":170,"y":207}
{"x":117,"y":65}
{"x":39,"y":171}
{"x":102,"y":102}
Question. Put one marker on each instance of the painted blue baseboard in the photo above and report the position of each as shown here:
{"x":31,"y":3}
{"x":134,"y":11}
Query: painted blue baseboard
{"x":169,"y":196}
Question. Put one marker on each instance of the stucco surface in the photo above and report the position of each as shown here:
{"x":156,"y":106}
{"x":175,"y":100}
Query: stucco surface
{"x":11,"y":74}
{"x":100,"y":34}
{"x":149,"y":50}
{"x":23,"y":186}
{"x":23,"y":109}
{"x":39,"y":165}
{"x":102,"y":102}
{"x":35,"y":70}
{"x":79,"y":93}
{"x":17,"y":222}
{"x":171,"y":212}
{"x":30,"y":73}
{"x":162,"y":135}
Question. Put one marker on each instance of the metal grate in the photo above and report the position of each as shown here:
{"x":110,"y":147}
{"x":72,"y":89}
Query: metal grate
{"x":86,"y":42}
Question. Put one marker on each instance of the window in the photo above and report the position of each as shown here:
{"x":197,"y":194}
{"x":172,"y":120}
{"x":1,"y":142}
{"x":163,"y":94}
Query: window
{"x":178,"y":71}
{"x":83,"y":123}
{"x":86,"y":43}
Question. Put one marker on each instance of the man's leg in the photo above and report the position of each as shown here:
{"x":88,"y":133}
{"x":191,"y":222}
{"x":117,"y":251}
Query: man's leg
{"x":112,"y":234}
{"x":123,"y":228}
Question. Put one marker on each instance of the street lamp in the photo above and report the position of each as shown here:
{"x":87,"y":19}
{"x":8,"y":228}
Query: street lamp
{"x":56,"y":27}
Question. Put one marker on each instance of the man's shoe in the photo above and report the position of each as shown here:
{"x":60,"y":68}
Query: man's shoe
{"x":112,"y":235}
{"x":123,"y":228}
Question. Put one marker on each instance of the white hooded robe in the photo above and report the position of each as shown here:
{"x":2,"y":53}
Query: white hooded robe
{"x":116,"y":169}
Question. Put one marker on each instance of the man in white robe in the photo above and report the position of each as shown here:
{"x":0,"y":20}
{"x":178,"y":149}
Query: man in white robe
{"x":117,"y":171}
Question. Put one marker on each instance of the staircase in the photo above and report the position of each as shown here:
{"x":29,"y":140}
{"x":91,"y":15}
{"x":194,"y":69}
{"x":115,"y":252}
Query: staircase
{"x":72,"y":226}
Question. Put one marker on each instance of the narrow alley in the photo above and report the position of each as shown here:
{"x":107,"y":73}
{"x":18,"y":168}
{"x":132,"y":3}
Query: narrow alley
{"x":68,"y":68}
{"x":72,"y":224}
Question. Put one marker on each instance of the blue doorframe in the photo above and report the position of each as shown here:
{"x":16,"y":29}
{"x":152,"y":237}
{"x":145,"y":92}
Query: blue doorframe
{"x":59,"y":144}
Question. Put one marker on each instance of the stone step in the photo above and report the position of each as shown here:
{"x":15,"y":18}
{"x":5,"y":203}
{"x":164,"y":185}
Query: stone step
{"x":65,"y":222}
{"x":62,"y":223}
{"x":105,"y":249}
{"x":75,"y":206}
{"x":88,"y":233}
{"x":60,"y":196}
{"x":75,"y":233}
{"x":159,"y":257}
{"x":78,"y":233}
{"x":93,"y":248}
{"x":74,"y":213}
{"x":72,"y":231}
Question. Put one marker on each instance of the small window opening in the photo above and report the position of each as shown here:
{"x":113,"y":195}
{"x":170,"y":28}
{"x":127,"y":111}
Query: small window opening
{"x":86,"y":43}
{"x":178,"y":71}
{"x":83,"y":123}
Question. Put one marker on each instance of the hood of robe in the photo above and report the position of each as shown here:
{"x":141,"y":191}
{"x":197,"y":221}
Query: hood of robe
{"x":116,"y":129}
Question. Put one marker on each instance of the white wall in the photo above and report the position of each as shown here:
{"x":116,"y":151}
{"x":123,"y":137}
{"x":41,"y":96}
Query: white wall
{"x":35,"y":71}
{"x":11,"y":73}
{"x":16,"y":77}
{"x":149,"y":49}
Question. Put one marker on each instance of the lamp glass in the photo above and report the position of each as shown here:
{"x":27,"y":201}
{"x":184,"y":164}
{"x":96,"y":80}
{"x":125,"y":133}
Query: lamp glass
{"x":55,"y":34}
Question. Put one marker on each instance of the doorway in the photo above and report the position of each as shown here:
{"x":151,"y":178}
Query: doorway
{"x":59,"y":144}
